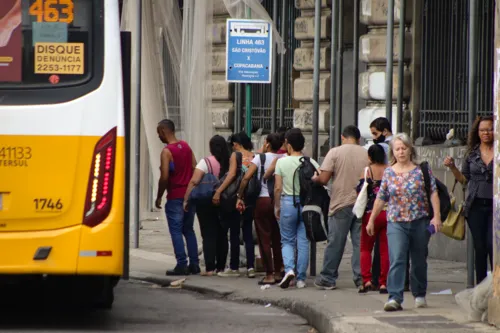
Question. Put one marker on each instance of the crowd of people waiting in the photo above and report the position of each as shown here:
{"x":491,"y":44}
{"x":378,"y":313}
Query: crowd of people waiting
{"x":394,"y":225}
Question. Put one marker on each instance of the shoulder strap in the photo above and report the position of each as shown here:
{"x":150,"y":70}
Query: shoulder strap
{"x":239,"y":159}
{"x":371,"y":172}
{"x":293,"y":181}
{"x":262,"y":162}
{"x":427,"y":181}
{"x":209,"y":165}
{"x":366,"y":172}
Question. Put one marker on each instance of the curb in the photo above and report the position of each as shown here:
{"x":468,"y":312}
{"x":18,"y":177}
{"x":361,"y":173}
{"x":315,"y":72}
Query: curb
{"x":314,"y":314}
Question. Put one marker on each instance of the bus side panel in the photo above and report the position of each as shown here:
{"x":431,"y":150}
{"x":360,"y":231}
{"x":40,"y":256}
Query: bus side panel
{"x":102,"y":247}
{"x":17,"y":250}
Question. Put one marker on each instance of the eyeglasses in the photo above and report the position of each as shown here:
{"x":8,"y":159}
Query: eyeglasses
{"x":488,"y":130}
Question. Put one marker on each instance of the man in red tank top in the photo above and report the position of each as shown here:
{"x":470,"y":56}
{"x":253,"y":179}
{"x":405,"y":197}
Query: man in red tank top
{"x":176,"y":169}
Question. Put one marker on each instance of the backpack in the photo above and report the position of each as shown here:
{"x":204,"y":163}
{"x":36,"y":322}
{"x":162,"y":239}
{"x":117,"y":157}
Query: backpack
{"x":252,"y":191}
{"x":228,"y":197}
{"x":444,"y":196}
{"x":314,"y":200}
{"x":204,"y":191}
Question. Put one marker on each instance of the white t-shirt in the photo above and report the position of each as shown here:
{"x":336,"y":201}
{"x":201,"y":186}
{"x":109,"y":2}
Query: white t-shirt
{"x":264,"y":192}
{"x":202,"y":165}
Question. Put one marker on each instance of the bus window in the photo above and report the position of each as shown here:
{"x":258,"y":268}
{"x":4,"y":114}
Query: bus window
{"x":46,"y":43}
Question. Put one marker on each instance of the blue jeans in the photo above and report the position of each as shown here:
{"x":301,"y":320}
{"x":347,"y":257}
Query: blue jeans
{"x":231,"y":223}
{"x":180,"y":224}
{"x":339,"y":226}
{"x":404,"y":236}
{"x":293,"y":234}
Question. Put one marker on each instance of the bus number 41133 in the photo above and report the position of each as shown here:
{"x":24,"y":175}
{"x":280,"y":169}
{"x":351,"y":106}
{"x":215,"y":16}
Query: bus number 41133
{"x":47,"y":204}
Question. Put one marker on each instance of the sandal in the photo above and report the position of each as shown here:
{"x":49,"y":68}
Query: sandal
{"x":210,"y":273}
{"x":383,"y":290}
{"x":364,"y":288}
{"x":263,"y":283}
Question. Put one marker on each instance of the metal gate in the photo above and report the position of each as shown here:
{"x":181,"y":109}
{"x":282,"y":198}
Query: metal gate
{"x":261,"y":93}
{"x":444,"y":69}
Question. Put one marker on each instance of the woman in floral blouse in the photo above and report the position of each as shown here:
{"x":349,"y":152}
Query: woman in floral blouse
{"x":403,"y":189}
{"x":377,"y":157}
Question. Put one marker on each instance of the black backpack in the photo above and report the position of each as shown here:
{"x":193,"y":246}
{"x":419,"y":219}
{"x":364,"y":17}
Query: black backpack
{"x":254,"y":186}
{"x":444,"y":196}
{"x":228,"y":197}
{"x":314,"y":200}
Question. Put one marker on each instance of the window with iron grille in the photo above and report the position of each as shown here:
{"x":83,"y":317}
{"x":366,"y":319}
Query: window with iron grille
{"x":444,"y":68}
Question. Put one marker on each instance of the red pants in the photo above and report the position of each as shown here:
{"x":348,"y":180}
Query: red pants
{"x":268,"y":235}
{"x":366,"y":249}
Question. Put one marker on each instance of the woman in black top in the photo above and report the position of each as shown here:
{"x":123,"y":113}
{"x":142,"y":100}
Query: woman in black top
{"x":477,"y":173}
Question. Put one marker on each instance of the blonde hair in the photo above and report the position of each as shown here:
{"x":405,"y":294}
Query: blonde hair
{"x":405,"y":139}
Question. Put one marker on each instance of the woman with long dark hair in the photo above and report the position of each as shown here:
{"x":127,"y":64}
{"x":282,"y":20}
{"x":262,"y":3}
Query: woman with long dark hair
{"x":373,"y":176}
{"x":477,"y":174}
{"x":215,"y":246}
{"x":240,"y":144}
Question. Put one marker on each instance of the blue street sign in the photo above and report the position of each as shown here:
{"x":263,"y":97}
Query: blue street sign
{"x":248,"y":51}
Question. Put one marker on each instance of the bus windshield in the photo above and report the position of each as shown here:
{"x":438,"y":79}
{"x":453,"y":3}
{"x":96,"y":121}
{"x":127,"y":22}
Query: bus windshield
{"x":45,"y":43}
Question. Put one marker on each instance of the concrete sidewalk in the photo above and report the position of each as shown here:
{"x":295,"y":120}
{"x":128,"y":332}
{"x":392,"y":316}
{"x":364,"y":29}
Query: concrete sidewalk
{"x":340,"y":311}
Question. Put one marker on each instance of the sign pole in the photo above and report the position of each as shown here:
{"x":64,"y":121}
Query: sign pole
{"x":248,"y":96}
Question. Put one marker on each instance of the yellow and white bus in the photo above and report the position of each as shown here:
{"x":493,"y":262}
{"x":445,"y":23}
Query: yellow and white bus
{"x":62,"y":144}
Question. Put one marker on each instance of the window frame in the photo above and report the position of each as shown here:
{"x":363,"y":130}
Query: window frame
{"x":33,"y":94}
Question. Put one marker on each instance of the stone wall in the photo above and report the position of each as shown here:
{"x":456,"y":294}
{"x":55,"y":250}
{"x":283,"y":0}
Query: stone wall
{"x":222,"y":91}
{"x":440,"y":246}
{"x":373,"y":51}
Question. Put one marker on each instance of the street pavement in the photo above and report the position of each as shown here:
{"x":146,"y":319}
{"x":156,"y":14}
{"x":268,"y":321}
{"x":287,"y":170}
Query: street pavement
{"x":340,"y":311}
{"x":144,"y":307}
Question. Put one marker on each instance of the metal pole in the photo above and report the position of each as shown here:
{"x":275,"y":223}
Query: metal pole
{"x":237,"y":107}
{"x":390,"y":61}
{"x":340,"y":72}
{"x":315,"y":118}
{"x":283,"y":62}
{"x":274,"y":83}
{"x":248,"y":97}
{"x":137,"y":88}
{"x":401,"y":64}
{"x":473,"y":45}
{"x":356,"y":59}
{"x":333,"y":70}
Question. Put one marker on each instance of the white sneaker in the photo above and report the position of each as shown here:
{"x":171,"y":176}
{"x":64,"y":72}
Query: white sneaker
{"x":392,"y":305}
{"x":229,"y":273}
{"x":301,"y":284}
{"x":285,"y":283}
{"x":420,"y":303}
{"x":251,"y":273}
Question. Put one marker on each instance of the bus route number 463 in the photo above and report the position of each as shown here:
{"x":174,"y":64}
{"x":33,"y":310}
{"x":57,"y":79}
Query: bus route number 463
{"x":47,"y":204}
{"x":53,"y":11}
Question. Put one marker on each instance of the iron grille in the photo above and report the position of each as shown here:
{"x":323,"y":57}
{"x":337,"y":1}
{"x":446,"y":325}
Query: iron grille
{"x":444,"y":70}
{"x":261,"y":93}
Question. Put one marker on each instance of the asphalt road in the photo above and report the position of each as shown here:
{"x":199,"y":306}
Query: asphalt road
{"x":141,"y":307}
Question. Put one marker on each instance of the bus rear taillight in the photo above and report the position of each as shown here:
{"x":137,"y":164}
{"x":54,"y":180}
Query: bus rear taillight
{"x":100,"y":188}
